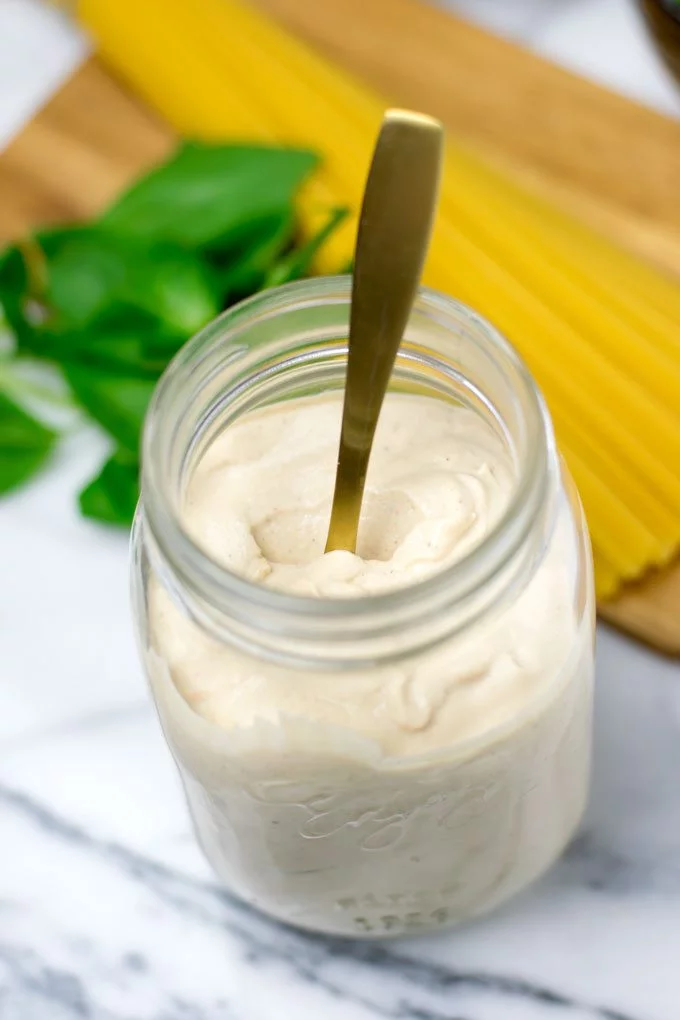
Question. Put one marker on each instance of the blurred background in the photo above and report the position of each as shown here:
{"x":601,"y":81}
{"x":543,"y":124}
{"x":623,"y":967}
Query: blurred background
{"x":573,"y":112}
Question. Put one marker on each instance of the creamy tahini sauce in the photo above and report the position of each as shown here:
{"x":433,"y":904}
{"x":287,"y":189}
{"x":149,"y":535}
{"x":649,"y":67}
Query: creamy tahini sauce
{"x":259,"y":502}
{"x":466,"y":767}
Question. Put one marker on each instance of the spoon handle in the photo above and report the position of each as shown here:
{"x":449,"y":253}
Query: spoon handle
{"x":392,"y":241}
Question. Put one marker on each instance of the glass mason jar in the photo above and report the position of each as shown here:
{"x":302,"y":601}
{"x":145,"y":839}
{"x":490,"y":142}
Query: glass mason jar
{"x":313,"y":823}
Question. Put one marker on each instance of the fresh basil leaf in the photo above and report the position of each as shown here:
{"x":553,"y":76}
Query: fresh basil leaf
{"x":25,"y":444}
{"x":117,"y":401}
{"x":14,"y":294}
{"x":85,"y":275}
{"x":241,"y":267}
{"x":24,"y":279}
{"x":53,"y":239}
{"x":89,"y":272}
{"x":112,"y":495}
{"x":177,"y":287}
{"x":123,"y":339}
{"x":208,"y":192}
{"x":297,"y":262}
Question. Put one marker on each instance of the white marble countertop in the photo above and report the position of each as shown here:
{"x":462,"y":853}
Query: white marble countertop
{"x":107,"y":910}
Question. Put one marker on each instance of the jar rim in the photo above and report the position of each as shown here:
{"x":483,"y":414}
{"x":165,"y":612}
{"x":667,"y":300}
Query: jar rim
{"x":456,"y":582}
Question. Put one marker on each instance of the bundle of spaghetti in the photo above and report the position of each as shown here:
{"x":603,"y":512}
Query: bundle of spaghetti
{"x":598,"y":328}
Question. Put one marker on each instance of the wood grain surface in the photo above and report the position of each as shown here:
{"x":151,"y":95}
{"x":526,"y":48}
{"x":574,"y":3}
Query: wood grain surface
{"x":90,"y":140}
{"x":612,"y":162}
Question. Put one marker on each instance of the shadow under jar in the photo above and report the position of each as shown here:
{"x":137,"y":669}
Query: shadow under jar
{"x":313,"y":821}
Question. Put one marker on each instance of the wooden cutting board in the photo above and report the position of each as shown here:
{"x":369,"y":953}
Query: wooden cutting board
{"x":613,"y":163}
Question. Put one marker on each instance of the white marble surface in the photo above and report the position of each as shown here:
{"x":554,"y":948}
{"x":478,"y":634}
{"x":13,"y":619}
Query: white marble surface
{"x":107,"y":910}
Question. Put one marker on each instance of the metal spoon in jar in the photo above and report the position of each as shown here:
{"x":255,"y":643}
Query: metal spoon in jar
{"x":394,"y":234}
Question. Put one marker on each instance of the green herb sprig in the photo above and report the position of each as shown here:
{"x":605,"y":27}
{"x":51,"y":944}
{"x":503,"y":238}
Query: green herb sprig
{"x":110,"y":302}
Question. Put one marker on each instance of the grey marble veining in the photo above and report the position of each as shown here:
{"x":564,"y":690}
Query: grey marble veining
{"x":80,"y":976}
{"x":108,"y":912}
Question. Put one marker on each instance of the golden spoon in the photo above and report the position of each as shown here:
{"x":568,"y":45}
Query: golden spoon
{"x":394,"y":234}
